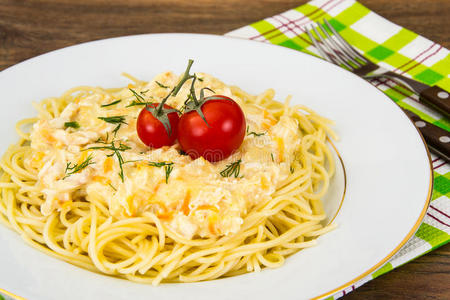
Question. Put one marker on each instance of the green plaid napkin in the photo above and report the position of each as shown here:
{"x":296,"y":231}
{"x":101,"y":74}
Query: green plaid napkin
{"x":396,"y":49}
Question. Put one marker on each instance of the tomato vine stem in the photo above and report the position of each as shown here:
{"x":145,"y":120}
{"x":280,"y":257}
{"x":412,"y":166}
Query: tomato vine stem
{"x":176,"y":89}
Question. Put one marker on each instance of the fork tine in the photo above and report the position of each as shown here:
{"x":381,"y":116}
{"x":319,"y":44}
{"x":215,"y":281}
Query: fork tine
{"x":340,"y":49}
{"x":318,"y":46}
{"x":330,"y":48}
{"x":344,"y":42}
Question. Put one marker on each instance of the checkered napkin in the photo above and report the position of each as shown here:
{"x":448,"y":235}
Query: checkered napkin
{"x":396,"y":49}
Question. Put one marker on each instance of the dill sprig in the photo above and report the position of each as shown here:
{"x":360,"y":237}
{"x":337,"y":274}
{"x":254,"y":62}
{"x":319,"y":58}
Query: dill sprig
{"x":75,"y":168}
{"x":139,"y":99}
{"x":135,"y":103}
{"x":114,"y":119}
{"x":168,"y":167}
{"x":256,"y":134}
{"x":110,"y":104}
{"x":161,"y":85}
{"x":103,"y":141}
{"x":159,"y":164}
{"x":232,"y":169}
{"x":72,"y":125}
{"x":116,"y":151}
{"x":119,"y":120}
{"x":112,"y":187}
{"x":253,"y":133}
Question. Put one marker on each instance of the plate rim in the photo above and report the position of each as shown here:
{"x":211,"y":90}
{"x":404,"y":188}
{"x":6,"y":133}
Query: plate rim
{"x":403,"y":241}
{"x":341,"y":287}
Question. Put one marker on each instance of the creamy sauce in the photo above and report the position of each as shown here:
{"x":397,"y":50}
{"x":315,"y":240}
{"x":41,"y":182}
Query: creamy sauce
{"x":196,"y":200}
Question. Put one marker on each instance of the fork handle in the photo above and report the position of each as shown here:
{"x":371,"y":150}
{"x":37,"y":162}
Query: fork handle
{"x":438,"y":139}
{"x":437,"y":98}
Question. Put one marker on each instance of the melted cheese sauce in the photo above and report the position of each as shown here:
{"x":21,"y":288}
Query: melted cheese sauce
{"x":196,"y":200}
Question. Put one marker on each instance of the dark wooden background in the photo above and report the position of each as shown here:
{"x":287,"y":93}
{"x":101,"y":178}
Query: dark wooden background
{"x":29,"y":28}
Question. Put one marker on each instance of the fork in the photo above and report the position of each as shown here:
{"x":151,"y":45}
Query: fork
{"x":338,"y":51}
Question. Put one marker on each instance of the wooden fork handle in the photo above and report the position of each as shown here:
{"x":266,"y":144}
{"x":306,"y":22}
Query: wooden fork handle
{"x":437,"y":139}
{"x":437,"y":98}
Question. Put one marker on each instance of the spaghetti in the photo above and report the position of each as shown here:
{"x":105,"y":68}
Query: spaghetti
{"x":60,"y":189}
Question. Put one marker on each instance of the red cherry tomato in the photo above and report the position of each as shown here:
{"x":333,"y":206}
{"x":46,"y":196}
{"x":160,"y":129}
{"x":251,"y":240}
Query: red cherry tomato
{"x":152,"y":132}
{"x":221,"y":138}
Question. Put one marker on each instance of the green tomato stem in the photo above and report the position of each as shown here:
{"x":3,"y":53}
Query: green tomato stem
{"x":176,"y":88}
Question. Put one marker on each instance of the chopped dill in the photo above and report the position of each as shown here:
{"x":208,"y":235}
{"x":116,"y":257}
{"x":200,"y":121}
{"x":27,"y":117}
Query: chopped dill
{"x":168,"y":167}
{"x":101,"y":141}
{"x":116,"y":151}
{"x":110,"y":104}
{"x":232,"y":169}
{"x":253,"y":133}
{"x":112,"y":187}
{"x":256,"y":134}
{"x":72,"y":125}
{"x":168,"y":170}
{"x":119,"y":120}
{"x":75,"y":168}
{"x":159,"y":164}
{"x":161,"y":85}
{"x":135,"y":103}
{"x":114,"y":119}
{"x":138,"y":97}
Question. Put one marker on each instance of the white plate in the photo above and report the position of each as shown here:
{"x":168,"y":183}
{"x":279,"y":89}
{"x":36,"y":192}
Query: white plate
{"x":388,"y":169}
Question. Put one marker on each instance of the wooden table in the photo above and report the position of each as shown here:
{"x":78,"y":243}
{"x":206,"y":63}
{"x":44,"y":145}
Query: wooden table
{"x":29,"y":28}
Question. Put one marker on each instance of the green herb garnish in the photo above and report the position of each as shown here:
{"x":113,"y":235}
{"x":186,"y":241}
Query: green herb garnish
{"x":168,"y":170}
{"x":291,"y":169}
{"x":112,"y":187}
{"x":114,"y":119}
{"x":75,"y":168}
{"x":116,"y":152}
{"x":72,"y":125}
{"x":119,"y":120}
{"x":161,"y":85}
{"x":139,"y":99}
{"x":271,"y":155}
{"x":256,"y":134}
{"x":110,"y":104}
{"x":159,"y":164}
{"x":232,"y":169}
{"x":101,"y":141}
{"x":135,"y":103}
{"x":168,"y":167}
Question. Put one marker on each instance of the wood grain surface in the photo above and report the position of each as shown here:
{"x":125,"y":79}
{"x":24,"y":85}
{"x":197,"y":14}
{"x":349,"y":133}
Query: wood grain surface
{"x":29,"y":28}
